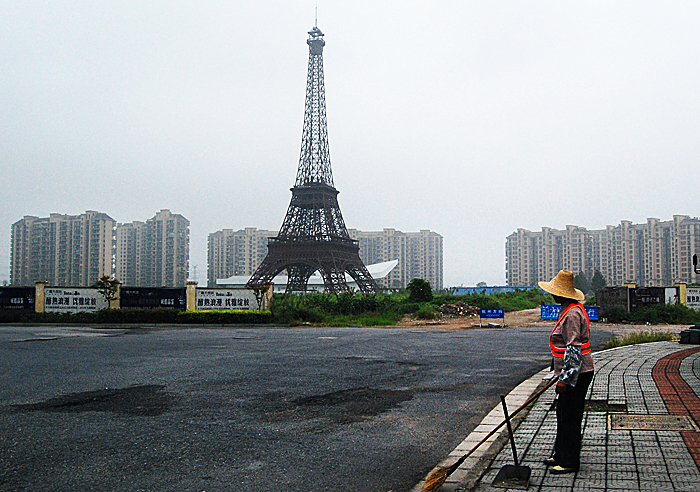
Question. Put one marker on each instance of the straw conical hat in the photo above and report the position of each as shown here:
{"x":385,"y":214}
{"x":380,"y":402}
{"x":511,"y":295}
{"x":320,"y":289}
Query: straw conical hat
{"x":563,"y":286}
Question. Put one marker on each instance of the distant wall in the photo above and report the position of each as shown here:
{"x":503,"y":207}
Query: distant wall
{"x":459,"y":291}
{"x":633,"y":298}
{"x":17,"y":298}
{"x":43,"y":298}
{"x":153,"y":298}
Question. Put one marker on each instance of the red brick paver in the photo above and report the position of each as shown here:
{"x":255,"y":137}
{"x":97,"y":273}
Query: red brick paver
{"x":680,"y":399}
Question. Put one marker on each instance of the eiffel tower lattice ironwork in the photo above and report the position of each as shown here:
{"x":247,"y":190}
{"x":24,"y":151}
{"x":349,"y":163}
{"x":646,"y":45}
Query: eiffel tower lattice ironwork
{"x":313,"y":236}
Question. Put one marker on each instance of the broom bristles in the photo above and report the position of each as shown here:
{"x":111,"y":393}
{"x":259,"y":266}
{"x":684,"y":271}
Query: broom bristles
{"x":436,"y":479}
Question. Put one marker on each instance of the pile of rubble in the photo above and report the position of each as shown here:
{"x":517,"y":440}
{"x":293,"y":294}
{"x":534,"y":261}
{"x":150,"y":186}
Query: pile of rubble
{"x":459,"y":309}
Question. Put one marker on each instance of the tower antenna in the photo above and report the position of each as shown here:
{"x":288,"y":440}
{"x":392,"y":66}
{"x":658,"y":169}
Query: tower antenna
{"x":316,"y":17}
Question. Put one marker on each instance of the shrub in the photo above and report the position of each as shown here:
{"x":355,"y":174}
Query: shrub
{"x":408,"y":308}
{"x":615,"y":314}
{"x":666,"y":313}
{"x":655,"y":314}
{"x":224,"y":317}
{"x":148,"y":316}
{"x":428,"y":312}
{"x":419,"y":290}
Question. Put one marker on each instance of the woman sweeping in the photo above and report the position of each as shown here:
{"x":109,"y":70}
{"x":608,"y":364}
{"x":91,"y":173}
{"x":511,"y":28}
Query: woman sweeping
{"x":573,"y":366}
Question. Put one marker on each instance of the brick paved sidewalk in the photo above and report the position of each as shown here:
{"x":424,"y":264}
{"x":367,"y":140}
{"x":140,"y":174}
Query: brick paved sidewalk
{"x":640,"y":426}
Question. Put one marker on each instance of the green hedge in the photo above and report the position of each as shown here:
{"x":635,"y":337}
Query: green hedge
{"x":143,"y":316}
{"x":315,"y":308}
{"x":672,"y":314}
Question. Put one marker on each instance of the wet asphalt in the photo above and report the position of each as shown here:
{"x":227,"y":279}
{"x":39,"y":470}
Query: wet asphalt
{"x":221,"y":409}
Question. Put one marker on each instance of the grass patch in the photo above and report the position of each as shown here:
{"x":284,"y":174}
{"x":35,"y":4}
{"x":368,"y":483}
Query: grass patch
{"x":639,"y":337}
{"x":428,"y":312}
{"x":367,"y":319}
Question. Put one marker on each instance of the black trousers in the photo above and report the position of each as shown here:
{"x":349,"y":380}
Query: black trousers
{"x":567,"y":446}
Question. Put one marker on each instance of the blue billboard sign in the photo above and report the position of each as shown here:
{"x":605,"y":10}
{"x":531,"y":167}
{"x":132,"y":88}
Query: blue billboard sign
{"x":492,"y":313}
{"x":551,"y":311}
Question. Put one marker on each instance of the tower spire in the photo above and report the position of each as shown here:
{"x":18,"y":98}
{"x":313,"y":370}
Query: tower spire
{"x":315,"y":158}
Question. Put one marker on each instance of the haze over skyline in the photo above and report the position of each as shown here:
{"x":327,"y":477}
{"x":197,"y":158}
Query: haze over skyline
{"x":470,"y":119}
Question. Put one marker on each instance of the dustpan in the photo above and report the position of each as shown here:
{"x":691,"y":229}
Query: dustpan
{"x":512,"y":476}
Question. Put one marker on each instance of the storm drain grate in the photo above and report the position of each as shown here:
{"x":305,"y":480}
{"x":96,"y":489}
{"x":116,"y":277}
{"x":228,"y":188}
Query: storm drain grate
{"x":605,"y":407}
{"x":651,"y":422}
{"x":598,"y":406}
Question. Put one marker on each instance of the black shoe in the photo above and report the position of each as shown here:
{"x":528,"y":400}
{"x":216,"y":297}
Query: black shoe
{"x":561,"y":470}
{"x":550,"y":462}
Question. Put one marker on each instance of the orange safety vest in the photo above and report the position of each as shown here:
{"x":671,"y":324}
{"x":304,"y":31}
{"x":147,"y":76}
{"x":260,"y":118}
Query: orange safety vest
{"x":586,"y":347}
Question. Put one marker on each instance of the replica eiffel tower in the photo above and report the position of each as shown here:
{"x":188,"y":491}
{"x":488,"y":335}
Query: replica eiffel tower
{"x":313,"y":236}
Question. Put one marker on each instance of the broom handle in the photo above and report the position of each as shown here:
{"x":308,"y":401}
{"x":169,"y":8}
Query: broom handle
{"x":527,"y":402}
{"x":510,"y":430}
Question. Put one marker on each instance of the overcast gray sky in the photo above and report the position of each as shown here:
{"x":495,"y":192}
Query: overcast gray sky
{"x":468,"y":118}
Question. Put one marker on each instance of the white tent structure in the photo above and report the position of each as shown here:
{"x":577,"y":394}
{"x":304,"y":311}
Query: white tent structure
{"x":378,"y":271}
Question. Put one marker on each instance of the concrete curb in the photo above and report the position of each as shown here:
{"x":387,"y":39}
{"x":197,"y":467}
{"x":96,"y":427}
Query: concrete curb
{"x":470,"y":470}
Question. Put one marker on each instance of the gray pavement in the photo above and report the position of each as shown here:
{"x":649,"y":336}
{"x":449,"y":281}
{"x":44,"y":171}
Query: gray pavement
{"x":640,"y":428}
{"x":255,"y":410}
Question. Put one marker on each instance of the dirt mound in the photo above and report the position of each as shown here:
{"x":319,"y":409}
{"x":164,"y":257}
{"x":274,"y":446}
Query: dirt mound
{"x":528,"y":317}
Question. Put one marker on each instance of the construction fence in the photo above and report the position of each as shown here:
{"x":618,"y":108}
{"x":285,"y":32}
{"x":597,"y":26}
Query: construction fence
{"x":43,"y":298}
{"x":631,"y":298}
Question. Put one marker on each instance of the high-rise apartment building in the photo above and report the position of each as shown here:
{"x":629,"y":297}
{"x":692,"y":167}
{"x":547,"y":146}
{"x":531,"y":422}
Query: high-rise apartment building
{"x":232,"y":252}
{"x":154,"y":253}
{"x":64,"y":250}
{"x":419,"y":254}
{"x":129,"y":264}
{"x":656,"y":253}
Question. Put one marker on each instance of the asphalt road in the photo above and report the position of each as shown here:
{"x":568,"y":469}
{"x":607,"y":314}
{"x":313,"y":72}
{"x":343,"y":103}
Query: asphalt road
{"x":212,"y":409}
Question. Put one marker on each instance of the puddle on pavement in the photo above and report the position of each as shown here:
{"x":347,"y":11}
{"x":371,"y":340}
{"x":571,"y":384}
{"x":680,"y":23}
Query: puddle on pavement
{"x":353,"y":405}
{"x":140,"y":401}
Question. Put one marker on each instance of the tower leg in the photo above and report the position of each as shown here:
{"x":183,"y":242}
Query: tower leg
{"x":298,"y":277}
{"x":363,"y":278}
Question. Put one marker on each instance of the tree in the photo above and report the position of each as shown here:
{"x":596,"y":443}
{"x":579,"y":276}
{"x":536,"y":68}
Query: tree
{"x":262,"y":292}
{"x":419,"y":290}
{"x":109,"y":288}
{"x":598,"y":282}
{"x":581,"y":282}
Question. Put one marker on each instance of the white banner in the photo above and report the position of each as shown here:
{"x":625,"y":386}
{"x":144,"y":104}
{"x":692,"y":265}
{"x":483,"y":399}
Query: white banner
{"x":225,"y":299}
{"x":672,"y":295}
{"x":692,"y":298}
{"x":61,"y":300}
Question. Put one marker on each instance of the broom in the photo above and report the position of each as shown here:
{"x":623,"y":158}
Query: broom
{"x":437,"y":478}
